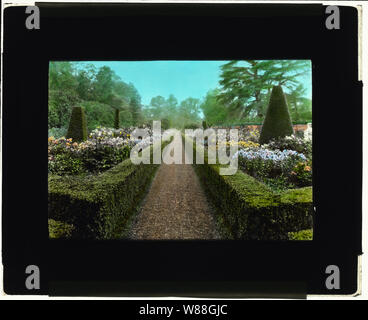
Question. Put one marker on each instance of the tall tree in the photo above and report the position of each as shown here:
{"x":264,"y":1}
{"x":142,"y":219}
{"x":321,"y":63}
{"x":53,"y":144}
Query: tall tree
{"x":62,"y":93}
{"x":294,"y":99}
{"x":156,"y":107}
{"x":135,"y":109}
{"x":245,"y":84}
{"x":213,"y":110}
{"x":189,"y":111}
{"x":103,"y":86}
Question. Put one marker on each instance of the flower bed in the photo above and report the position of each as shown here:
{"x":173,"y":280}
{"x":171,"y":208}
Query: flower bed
{"x":283,"y":163}
{"x":104,"y":149}
{"x":279,"y":170}
{"x":248,"y":209}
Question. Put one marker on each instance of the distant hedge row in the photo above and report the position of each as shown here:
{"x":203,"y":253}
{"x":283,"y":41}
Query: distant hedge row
{"x":98,"y":207}
{"x":249,"y":210}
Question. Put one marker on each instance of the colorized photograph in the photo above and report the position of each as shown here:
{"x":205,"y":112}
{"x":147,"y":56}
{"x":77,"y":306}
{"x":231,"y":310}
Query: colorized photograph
{"x":180,"y":150}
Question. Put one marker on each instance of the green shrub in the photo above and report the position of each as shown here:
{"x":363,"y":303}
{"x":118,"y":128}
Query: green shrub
{"x":57,"y":132}
{"x":301,"y":235}
{"x":58,"y":229}
{"x":64,"y":163}
{"x":277,"y":122}
{"x":191,"y":126}
{"x":204,"y":125}
{"x":248,"y":209}
{"x":77,"y":126}
{"x":98,"y":114}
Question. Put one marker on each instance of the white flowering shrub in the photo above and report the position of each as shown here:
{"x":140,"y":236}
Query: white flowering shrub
{"x":104,"y":148}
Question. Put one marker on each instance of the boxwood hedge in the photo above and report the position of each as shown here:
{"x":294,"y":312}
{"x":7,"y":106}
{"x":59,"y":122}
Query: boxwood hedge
{"x":249,"y":210}
{"x":100,"y":206}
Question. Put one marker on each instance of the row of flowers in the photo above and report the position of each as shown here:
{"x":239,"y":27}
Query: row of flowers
{"x":104,"y":148}
{"x":283,"y":163}
{"x":280,"y":169}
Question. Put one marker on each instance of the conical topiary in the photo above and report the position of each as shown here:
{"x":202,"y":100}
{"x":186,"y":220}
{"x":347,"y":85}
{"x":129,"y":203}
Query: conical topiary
{"x":204,"y":124}
{"x":117,"y":119}
{"x":277,"y":122}
{"x":78,"y":125}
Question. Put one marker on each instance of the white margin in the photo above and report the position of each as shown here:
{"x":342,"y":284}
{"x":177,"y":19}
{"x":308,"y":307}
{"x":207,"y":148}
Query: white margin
{"x":363,"y":61}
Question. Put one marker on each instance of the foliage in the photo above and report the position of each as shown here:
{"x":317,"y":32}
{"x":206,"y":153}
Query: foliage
{"x":191,"y":126}
{"x":57,"y":132}
{"x":72,"y":83}
{"x":277,"y":122}
{"x":98,"y":114}
{"x":301,"y":235}
{"x":301,"y":175}
{"x":245,"y":85}
{"x":214,"y":111}
{"x":58,"y":229}
{"x":135,"y":110}
{"x":300,"y":107}
{"x":62,"y":93}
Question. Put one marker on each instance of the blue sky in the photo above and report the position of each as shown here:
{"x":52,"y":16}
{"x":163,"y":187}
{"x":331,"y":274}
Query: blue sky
{"x":183,"y":79}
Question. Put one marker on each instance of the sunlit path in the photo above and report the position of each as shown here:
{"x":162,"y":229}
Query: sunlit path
{"x":175,"y":207}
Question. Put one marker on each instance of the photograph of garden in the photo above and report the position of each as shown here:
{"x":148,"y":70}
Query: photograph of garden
{"x":97,"y":192}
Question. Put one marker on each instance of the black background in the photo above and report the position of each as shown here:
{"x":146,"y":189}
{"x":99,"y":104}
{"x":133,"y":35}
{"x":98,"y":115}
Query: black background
{"x":182,"y":32}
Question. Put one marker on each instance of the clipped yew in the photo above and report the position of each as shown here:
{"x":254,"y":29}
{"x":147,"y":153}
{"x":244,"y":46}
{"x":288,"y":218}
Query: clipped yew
{"x":117,"y":119}
{"x":78,"y":125}
{"x":277,"y":122}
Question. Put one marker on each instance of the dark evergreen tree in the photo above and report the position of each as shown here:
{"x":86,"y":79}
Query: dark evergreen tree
{"x":78,"y":125}
{"x":117,"y":119}
{"x":277,"y":122}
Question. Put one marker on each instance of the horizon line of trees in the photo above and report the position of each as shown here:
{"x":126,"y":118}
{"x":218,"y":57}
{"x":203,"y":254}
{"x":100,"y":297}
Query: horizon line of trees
{"x":241,"y":97}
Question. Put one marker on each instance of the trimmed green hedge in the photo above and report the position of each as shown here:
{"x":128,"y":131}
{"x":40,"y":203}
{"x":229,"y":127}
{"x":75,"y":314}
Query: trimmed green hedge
{"x":301,"y":235}
{"x":101,"y":206}
{"x":58,"y":229}
{"x":248,"y":209}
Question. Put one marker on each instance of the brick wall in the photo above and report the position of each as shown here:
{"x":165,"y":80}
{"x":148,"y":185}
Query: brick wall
{"x":296,"y":127}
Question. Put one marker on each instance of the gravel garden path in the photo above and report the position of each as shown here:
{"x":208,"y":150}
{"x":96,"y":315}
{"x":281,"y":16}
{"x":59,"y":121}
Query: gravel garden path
{"x":175,"y":207}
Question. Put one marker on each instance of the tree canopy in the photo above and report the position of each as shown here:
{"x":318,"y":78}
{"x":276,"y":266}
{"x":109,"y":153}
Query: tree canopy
{"x":100,"y":91}
{"x":245,"y":85}
{"x":242,"y":96}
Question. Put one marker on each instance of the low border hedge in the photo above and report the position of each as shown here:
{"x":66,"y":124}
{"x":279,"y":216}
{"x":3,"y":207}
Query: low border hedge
{"x":247,"y":209}
{"x":99,"y":207}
